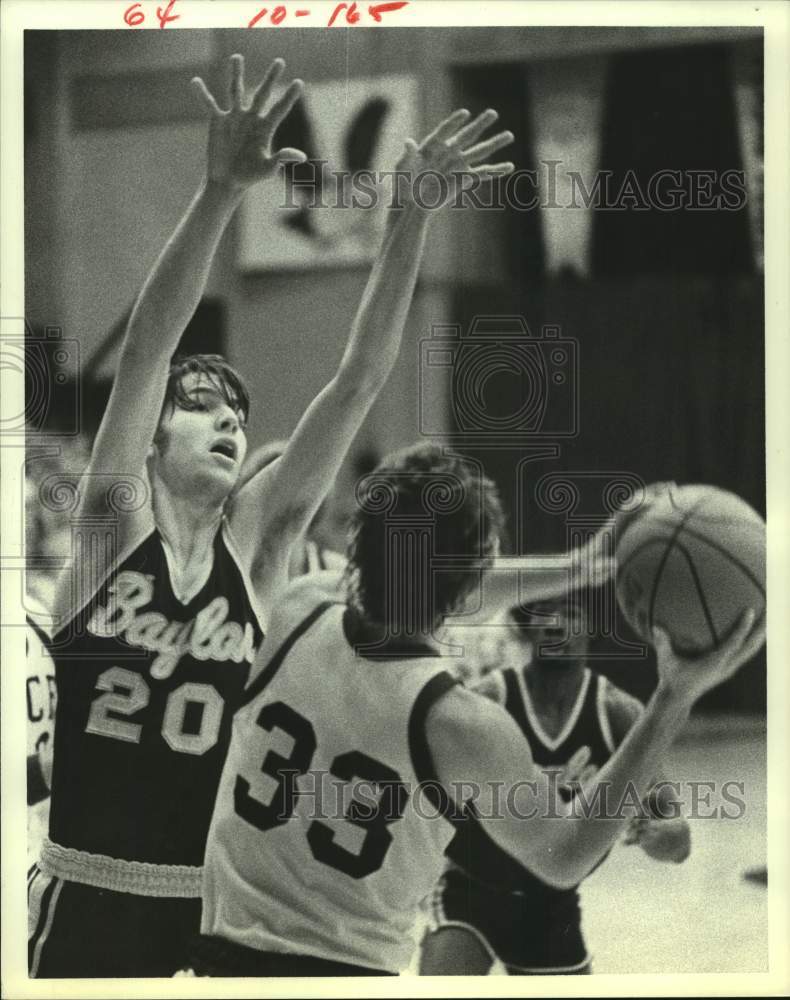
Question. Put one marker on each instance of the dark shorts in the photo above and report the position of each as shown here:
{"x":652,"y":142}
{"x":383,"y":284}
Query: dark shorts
{"x":530,"y":935}
{"x":216,"y":956}
{"x":77,"y":931}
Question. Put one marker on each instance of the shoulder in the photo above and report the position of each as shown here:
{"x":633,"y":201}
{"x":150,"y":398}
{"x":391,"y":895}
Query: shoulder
{"x":74,"y":591}
{"x":304,"y":595}
{"x":462,"y":720}
{"x":622,"y":709}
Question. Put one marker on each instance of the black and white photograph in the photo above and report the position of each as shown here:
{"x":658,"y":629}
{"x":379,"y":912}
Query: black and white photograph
{"x":395,"y":524}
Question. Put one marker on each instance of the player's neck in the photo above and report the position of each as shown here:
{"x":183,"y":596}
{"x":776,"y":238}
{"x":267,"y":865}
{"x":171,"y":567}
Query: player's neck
{"x":554,"y":684}
{"x":187,"y":525}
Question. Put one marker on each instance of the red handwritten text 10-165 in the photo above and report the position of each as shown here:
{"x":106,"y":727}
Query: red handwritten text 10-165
{"x":343,"y":14}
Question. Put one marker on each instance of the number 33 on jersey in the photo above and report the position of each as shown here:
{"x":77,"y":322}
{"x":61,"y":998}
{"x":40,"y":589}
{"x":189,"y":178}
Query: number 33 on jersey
{"x":323,"y":797}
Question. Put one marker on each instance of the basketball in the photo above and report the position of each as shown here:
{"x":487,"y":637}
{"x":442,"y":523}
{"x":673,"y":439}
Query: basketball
{"x":692,"y":563}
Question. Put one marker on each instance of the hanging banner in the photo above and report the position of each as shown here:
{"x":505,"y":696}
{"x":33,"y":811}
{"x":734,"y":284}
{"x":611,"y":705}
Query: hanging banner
{"x":566,"y":98}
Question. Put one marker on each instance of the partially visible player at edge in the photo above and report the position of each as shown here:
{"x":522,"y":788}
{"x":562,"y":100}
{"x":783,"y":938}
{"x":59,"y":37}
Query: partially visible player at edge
{"x":348,"y":695}
{"x":488,"y":907}
{"x":156,"y":636}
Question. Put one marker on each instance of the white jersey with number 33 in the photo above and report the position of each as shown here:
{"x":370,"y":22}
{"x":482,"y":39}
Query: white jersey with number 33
{"x":325,"y":834}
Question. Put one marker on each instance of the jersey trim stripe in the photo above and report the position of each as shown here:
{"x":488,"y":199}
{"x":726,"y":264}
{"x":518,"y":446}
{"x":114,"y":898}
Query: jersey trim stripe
{"x":274,"y":664}
{"x":233,"y":550}
{"x":42,"y":635}
{"x":554,"y":743}
{"x":140,"y":878}
{"x":419,"y":750}
{"x":514,"y":704}
{"x":40,"y":914}
{"x":553,"y":970}
{"x":438,"y":919}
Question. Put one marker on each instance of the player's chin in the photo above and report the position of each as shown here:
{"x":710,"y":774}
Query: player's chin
{"x":219,"y":478}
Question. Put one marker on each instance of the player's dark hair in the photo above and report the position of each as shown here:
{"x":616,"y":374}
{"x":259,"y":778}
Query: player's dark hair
{"x":217,"y":372}
{"x":420,"y":504}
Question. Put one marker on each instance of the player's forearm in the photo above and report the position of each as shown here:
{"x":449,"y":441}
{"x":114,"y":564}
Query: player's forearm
{"x":378,"y":327}
{"x":601,"y":811}
{"x":528,"y":578}
{"x":178,"y":279}
{"x":512,"y":580}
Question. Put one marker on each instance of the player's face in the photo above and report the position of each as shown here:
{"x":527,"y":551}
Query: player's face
{"x":559,"y":632}
{"x":205,"y":444}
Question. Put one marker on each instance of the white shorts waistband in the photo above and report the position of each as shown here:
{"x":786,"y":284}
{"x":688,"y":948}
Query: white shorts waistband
{"x":141,"y":878}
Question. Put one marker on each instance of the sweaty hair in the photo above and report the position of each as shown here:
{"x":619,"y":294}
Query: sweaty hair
{"x":419,"y":504}
{"x":216,"y":370}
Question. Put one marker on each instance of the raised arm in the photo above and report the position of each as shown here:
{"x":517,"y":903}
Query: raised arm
{"x":276,"y":506}
{"x":513,"y":580}
{"x":239,"y":154}
{"x":475,"y":742}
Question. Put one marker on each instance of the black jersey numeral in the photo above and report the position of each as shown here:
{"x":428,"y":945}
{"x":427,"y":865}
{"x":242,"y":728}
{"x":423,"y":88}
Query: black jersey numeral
{"x":373,"y":816}
{"x":284,"y":770}
{"x":385,"y":799}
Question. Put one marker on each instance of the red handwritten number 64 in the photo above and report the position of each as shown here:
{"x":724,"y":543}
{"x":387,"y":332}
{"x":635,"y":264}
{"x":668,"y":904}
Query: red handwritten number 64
{"x":134,"y":17}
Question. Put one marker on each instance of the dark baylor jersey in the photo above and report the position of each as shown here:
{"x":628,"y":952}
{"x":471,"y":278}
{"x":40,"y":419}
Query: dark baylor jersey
{"x":583,"y":746}
{"x":147,"y":688}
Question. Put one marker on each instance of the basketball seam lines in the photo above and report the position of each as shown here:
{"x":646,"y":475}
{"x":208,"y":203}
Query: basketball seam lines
{"x":638,"y":551}
{"x":733,"y":559}
{"x":664,"y":559}
{"x":700,"y":592}
{"x":701,"y":538}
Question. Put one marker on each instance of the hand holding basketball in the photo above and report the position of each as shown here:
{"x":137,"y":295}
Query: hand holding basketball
{"x":692,"y":563}
{"x":240,"y":139}
{"x":690,"y":677}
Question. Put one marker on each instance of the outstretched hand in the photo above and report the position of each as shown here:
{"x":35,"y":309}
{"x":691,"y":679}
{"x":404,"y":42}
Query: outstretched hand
{"x":450,"y":158}
{"x":240,"y":139}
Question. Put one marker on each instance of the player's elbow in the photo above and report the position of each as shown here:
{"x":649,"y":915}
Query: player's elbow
{"x":561,"y":870}
{"x":556,"y":864}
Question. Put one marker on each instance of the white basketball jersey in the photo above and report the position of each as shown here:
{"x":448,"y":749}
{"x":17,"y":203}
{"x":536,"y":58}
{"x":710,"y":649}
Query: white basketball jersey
{"x":324,"y":840}
{"x":41,"y":701}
